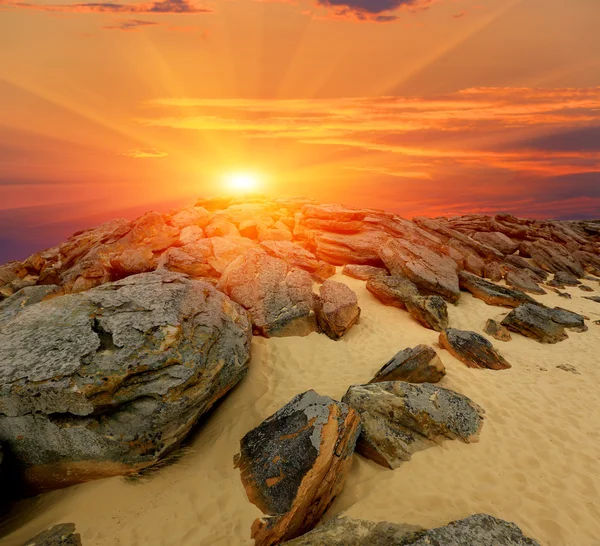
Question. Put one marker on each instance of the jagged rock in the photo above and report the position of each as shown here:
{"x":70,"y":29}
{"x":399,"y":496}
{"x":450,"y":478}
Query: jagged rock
{"x":520,"y":263}
{"x":564,"y":278}
{"x":295,"y":463}
{"x":279,"y":299}
{"x":477,"y":530}
{"x":496,"y":330}
{"x":420,"y":364}
{"x":338,"y":309}
{"x":523,"y":281}
{"x":497,"y":240}
{"x":26,"y":297}
{"x":60,"y":535}
{"x":542,"y":323}
{"x":472,"y":349}
{"x":221,"y":228}
{"x":432,"y":273}
{"x":555,"y":258}
{"x":492,"y":294}
{"x":108,"y":381}
{"x":364,"y":272}
{"x":398,"y":291}
{"x":568,"y":368}
{"x":399,"y":419}
{"x":296,"y":256}
{"x":585,"y":288}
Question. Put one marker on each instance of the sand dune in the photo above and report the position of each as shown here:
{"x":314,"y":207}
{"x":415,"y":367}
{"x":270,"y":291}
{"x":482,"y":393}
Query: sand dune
{"x":537,"y":462}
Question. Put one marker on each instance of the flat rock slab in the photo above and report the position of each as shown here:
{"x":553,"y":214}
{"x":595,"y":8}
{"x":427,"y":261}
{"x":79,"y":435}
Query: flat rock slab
{"x":60,"y":535}
{"x":472,"y":349}
{"x":25,"y":297}
{"x":490,"y":293}
{"x":295,"y":463}
{"x":523,"y":281}
{"x":542,"y":323}
{"x":399,"y":418}
{"x":108,"y":381}
{"x":593,"y":298}
{"x":564,"y":278}
{"x":496,"y":330}
{"x":337,"y":310}
{"x":364,"y":272}
{"x":420,"y":364}
{"x":477,"y":530}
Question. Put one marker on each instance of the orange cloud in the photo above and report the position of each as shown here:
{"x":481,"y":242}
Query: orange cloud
{"x":160,"y":6}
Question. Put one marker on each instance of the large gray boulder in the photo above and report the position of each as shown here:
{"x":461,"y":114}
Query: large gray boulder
{"x":295,"y":463}
{"x":477,"y":530}
{"x":419,"y":364}
{"x":337,"y":309}
{"x":399,"y":419}
{"x":108,"y":381}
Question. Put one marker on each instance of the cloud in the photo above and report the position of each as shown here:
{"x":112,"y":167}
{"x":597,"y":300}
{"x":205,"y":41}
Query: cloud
{"x":143,"y":153}
{"x":130,"y":24}
{"x":163,"y":6}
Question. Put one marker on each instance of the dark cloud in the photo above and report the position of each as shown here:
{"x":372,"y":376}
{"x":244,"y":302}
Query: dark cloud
{"x":130,"y":24}
{"x":164,"y":6}
{"x":587,"y":138}
{"x":371,"y":6}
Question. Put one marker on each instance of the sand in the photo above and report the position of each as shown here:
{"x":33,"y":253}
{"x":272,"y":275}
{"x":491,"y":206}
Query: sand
{"x":537,"y":462}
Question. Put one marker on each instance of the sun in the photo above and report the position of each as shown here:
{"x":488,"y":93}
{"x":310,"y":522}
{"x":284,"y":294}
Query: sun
{"x":242,"y":182}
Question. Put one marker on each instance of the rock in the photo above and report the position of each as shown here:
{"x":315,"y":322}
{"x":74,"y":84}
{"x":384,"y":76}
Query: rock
{"x":132,"y":261}
{"x":498,"y":241}
{"x":492,"y":294}
{"x":349,"y":248}
{"x":568,"y":368}
{"x":191,"y":234}
{"x":496,"y":330}
{"x":364,"y":272}
{"x":296,"y":256}
{"x":519,"y":262}
{"x":295,"y":463}
{"x":477,"y":530}
{"x":593,"y":298}
{"x":337,"y":213}
{"x":542,"y":323}
{"x":493,"y":272}
{"x":193,"y":259}
{"x":564,"y":278}
{"x":221,"y":228}
{"x":108,"y":381}
{"x":432,"y":273}
{"x":225,"y":250}
{"x":338,"y":309}
{"x":420,"y":364}
{"x":399,"y":419}
{"x":472,"y":349}
{"x":523,"y":281}
{"x":26,"y":297}
{"x":555,"y":258}
{"x":398,"y":291}
{"x":279,"y":299}
{"x":191,"y":217}
{"x":60,"y":535}
{"x":585,"y":288}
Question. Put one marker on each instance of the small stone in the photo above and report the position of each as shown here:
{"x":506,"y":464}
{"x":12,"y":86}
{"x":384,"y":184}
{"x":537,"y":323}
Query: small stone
{"x":496,"y":330}
{"x":585,"y":288}
{"x":568,"y":368}
{"x":60,"y":535}
{"x":472,"y":349}
{"x":420,"y":364}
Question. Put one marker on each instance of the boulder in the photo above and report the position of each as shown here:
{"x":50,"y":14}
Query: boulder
{"x":595,"y":299}
{"x":349,"y":248}
{"x":108,"y":381}
{"x":26,"y":297}
{"x":562,"y":279}
{"x":60,"y":535}
{"x":399,"y":418}
{"x":472,"y":349}
{"x":431,"y":272}
{"x":420,"y":364}
{"x":493,"y":272}
{"x":496,"y":330}
{"x":585,"y":288}
{"x":297,"y":256}
{"x":364,"y":272}
{"x":191,"y":217}
{"x":295,"y":463}
{"x":191,"y":234}
{"x":497,"y":240}
{"x":542,"y":323}
{"x":280,"y":300}
{"x":523,"y":281}
{"x":193,"y":259}
{"x":398,"y":291}
{"x":221,"y":228}
{"x":555,"y":258}
{"x":337,"y":309}
{"x":490,"y":293}
{"x":477,"y":530}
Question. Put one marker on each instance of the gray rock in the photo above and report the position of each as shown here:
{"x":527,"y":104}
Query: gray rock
{"x":472,"y":349}
{"x":399,"y":419}
{"x":564,"y":278}
{"x":338,"y":309}
{"x":60,"y":535}
{"x":496,"y":330}
{"x":420,"y":364}
{"x":295,"y":463}
{"x":542,"y":323}
{"x":364,"y":272}
{"x":490,"y":293}
{"x":595,"y":299}
{"x":108,"y":381}
{"x":477,"y":530}
{"x":585,"y":288}
{"x":24,"y":298}
{"x":568,"y":368}
{"x":279,"y":299}
{"x":523,"y":281}
{"x":429,"y":311}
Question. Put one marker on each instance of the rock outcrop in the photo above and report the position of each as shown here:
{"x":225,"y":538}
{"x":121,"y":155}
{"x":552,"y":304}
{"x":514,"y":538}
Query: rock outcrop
{"x":60,"y":535}
{"x":109,"y":381}
{"x":399,"y":418}
{"x":472,"y":349}
{"x":337,"y":309}
{"x":477,"y":530}
{"x":542,"y":323}
{"x":420,"y":364}
{"x":295,"y":463}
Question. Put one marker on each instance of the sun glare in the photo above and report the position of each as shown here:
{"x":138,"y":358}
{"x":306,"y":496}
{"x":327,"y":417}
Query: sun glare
{"x":242,"y":182}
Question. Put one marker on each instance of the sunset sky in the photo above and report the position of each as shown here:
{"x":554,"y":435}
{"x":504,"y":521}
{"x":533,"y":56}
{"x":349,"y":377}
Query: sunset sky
{"x":422,"y":107}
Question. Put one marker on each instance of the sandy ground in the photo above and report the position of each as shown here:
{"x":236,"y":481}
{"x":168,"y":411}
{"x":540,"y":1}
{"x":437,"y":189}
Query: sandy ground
{"x":537,"y":462}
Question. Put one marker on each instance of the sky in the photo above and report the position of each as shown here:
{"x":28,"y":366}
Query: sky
{"x":421,"y":107}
